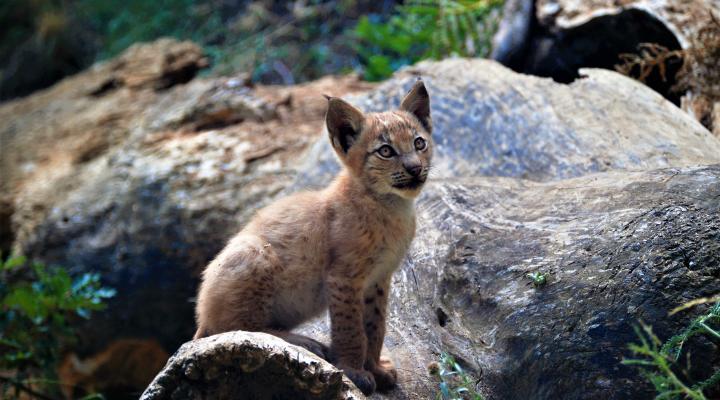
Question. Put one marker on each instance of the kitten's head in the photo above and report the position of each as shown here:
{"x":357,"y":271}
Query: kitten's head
{"x":389,"y":152}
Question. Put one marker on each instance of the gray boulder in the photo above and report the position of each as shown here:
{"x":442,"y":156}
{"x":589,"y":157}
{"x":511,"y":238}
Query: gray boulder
{"x":490,"y":121}
{"x":616,"y":248}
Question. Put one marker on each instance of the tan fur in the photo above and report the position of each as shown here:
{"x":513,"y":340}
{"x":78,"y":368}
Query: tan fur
{"x":336,"y":248}
{"x":129,"y":364}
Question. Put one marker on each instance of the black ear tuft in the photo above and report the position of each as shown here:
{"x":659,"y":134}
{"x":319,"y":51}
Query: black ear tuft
{"x":417,"y":102}
{"x":344,"y":123}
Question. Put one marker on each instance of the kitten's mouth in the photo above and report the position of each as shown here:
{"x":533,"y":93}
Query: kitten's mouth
{"x":411,"y":184}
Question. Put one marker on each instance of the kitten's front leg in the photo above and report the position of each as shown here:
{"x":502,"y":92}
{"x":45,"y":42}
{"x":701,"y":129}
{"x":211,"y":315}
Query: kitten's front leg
{"x":376,"y":298}
{"x":349,"y":344}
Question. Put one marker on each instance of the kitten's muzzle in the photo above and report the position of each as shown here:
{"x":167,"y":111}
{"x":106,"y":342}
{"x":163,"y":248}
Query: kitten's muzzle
{"x":410,"y":183}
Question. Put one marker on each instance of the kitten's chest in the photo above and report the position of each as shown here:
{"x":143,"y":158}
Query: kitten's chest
{"x":394,"y":236}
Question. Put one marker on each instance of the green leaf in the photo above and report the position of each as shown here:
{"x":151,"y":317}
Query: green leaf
{"x":23,"y":298}
{"x":37,"y":309}
{"x":379,"y":67}
{"x":14,"y":262}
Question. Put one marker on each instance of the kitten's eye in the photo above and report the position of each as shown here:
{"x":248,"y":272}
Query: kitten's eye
{"x":386,"y":151}
{"x":420,"y":144}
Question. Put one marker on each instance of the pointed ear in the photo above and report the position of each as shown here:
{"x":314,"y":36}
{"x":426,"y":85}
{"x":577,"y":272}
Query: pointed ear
{"x":417,"y":102}
{"x":344,"y":123}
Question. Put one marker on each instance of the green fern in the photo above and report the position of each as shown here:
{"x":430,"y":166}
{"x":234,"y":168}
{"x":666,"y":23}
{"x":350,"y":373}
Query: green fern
{"x":458,"y":27}
{"x":423,"y":29}
{"x":658,"y":361}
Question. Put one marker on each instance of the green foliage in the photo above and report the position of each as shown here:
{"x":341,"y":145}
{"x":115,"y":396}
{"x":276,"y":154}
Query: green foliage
{"x":423,"y":29}
{"x":659,"y":362}
{"x":38,"y":305}
{"x":386,"y":46}
{"x":272,"y":42}
{"x":538,"y":279}
{"x":276,"y":45}
{"x":298,"y":40}
{"x":119,"y":24}
{"x":455,"y":383}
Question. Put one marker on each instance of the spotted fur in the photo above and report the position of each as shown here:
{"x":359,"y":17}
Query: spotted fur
{"x":333,"y":249}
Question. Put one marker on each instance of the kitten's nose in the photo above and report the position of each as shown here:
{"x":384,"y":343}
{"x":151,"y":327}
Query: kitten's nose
{"x":414,"y":170}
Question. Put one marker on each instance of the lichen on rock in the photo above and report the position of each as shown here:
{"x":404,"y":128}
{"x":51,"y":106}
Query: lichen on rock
{"x":246,"y":365}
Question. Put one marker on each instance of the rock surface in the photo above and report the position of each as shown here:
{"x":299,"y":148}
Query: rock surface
{"x":617,"y":247}
{"x":158,"y":65}
{"x":490,"y":121}
{"x":245,"y":365}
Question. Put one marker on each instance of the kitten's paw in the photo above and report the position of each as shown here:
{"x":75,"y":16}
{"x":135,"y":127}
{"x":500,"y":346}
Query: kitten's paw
{"x":364,"y":380}
{"x":385,"y":374}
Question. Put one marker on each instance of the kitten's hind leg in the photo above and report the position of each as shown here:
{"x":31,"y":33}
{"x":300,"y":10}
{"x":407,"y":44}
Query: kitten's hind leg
{"x":319,"y":349}
{"x":238,"y":288}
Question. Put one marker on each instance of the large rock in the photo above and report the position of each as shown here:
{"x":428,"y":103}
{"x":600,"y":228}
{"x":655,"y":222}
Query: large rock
{"x":616,"y":247}
{"x":246,"y":365}
{"x":490,"y":121}
{"x":158,"y":65}
{"x":56,"y":132}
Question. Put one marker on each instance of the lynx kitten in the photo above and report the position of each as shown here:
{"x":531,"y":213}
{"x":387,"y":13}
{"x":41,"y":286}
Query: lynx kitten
{"x":335,"y":248}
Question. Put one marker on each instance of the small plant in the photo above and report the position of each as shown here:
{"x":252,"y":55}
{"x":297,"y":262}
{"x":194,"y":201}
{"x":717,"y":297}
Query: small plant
{"x":658,"y":361}
{"x":651,"y":57}
{"x":455,"y":383}
{"x":537,"y":279}
{"x":38,"y":305}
